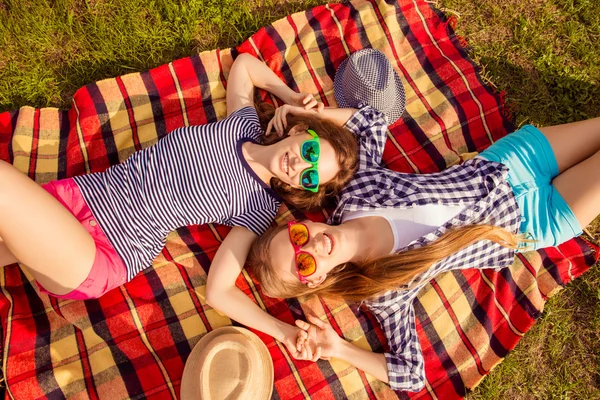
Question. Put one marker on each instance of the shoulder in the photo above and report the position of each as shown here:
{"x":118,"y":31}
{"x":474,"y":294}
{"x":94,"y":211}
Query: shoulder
{"x":246,"y":114}
{"x":245,"y":122}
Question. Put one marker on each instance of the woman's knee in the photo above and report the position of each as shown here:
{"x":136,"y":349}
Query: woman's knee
{"x":10,"y":177}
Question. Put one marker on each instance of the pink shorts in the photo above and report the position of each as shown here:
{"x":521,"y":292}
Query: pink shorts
{"x":108,"y":270}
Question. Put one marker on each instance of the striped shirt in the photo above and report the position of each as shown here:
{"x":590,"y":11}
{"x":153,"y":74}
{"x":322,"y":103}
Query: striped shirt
{"x":478,"y":185}
{"x":194,"y":175}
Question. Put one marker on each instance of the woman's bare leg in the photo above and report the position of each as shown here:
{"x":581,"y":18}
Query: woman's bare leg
{"x":6,"y":257}
{"x":580,"y":187}
{"x":42,"y":234}
{"x":573,"y":143}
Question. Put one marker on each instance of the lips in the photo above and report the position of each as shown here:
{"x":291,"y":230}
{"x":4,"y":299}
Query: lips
{"x":285,"y":164}
{"x":329,"y":243}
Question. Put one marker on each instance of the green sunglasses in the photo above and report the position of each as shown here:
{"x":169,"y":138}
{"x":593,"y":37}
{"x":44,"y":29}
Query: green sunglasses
{"x":310,"y":152}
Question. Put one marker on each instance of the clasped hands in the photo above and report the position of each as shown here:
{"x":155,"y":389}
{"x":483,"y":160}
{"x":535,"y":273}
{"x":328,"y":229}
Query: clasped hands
{"x":316,"y":339}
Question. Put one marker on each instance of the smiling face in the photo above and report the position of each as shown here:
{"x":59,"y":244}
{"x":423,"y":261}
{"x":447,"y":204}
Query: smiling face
{"x":288,"y":165}
{"x":327,"y":244}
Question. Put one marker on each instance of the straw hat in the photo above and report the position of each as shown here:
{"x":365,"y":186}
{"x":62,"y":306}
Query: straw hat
{"x":228,"y":363}
{"x":367,"y":77}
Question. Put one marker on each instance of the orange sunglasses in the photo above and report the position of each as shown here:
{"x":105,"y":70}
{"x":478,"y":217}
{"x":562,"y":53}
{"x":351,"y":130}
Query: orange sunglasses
{"x":306,"y":265}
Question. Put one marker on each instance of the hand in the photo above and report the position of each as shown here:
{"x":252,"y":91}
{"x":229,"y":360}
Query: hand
{"x":317,"y":339}
{"x":279,"y":121}
{"x":289,"y":340}
{"x":299,"y":103}
{"x":306,"y":101}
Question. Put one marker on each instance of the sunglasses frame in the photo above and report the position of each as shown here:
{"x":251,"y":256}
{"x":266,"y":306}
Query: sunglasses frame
{"x":298,"y":251}
{"x":315,"y":165}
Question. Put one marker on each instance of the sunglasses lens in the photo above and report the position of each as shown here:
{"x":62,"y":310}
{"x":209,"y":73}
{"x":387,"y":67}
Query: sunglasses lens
{"x":310,"y":179}
{"x":306,"y":264}
{"x":311,"y":151}
{"x":299,"y":234}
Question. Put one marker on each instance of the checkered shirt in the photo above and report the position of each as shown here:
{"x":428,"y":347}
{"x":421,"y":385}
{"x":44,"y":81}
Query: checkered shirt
{"x":478,"y":184}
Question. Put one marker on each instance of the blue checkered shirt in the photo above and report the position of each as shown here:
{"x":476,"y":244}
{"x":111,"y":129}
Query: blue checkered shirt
{"x":478,"y":184}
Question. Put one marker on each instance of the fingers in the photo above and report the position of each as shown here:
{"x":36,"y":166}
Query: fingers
{"x":280,"y":120}
{"x":269,"y":127}
{"x":283,"y":112}
{"x":306,"y":352}
{"x":309,"y":101}
{"x":301,"y":340}
{"x":302,"y":324}
{"x":317,"y":355}
{"x":316,"y":321}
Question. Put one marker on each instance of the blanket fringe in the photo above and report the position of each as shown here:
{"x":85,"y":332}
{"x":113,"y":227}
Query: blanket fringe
{"x":509,"y":108}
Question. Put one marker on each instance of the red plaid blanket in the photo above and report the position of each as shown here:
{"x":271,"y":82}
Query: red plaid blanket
{"x":133,"y":342}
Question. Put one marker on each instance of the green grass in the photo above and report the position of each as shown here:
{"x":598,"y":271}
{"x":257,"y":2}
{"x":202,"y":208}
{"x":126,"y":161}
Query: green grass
{"x":544,"y":54}
{"x":48,"y":49}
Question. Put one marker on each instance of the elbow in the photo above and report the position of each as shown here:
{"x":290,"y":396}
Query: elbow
{"x":405,"y":376}
{"x":212,"y":296}
{"x":212,"y":300}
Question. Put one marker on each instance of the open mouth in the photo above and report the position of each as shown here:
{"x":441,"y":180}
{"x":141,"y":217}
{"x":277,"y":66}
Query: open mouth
{"x":329,"y":243}
{"x":285,"y":164}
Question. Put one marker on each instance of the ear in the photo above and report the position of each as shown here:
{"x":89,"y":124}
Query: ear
{"x":298,"y":129}
{"x":313,"y":285}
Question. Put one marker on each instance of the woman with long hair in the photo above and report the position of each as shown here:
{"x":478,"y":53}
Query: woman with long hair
{"x":393,"y":232}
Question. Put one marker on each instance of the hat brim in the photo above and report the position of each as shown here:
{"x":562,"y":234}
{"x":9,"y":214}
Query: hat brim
{"x":338,"y":91}
{"x":400,"y":105}
{"x":190,"y":384}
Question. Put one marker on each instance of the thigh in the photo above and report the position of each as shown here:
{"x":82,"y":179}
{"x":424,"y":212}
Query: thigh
{"x":42,"y":234}
{"x":579,"y":186}
{"x":573,"y":143}
{"x":6,"y":257}
{"x":546,"y":217}
{"x":528,"y":156}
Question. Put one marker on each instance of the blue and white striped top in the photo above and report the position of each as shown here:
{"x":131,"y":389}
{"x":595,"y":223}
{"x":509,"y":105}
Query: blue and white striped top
{"x":194,"y":175}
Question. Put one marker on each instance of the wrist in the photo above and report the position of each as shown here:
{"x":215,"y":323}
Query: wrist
{"x":283,"y":330}
{"x":341,"y":348}
{"x":287,"y":96}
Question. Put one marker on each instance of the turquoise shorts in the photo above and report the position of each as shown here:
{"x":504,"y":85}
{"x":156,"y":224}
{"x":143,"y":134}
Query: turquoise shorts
{"x":546,"y":216}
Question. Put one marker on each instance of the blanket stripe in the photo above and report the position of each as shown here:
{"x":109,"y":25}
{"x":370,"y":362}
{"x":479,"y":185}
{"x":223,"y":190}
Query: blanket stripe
{"x":134,"y":341}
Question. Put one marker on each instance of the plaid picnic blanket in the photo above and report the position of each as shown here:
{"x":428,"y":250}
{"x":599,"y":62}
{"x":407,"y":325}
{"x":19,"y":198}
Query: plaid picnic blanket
{"x":133,"y":342}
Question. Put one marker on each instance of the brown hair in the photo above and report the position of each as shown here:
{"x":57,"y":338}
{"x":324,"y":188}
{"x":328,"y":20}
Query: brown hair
{"x":343,"y":142}
{"x":361,"y":281}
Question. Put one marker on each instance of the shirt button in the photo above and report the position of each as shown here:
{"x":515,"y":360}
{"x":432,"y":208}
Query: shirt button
{"x":93,"y":223}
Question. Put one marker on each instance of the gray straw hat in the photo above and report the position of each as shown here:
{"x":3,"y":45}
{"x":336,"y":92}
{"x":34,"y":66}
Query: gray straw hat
{"x":366,"y":77}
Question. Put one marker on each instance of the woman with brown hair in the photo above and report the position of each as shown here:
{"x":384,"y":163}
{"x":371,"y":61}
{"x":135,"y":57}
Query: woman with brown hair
{"x":83,"y":236}
{"x":392,"y":232}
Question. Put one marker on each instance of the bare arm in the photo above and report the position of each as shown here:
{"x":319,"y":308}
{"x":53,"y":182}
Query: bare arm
{"x":372,"y":363}
{"x":222,"y":294}
{"x":338,"y":116}
{"x":248,"y":73}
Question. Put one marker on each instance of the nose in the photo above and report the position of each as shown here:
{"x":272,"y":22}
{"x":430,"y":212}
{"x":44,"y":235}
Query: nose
{"x":315,"y":245}
{"x":298,"y":164}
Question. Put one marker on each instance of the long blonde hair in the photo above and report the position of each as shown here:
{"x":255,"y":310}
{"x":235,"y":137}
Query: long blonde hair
{"x":361,"y":281}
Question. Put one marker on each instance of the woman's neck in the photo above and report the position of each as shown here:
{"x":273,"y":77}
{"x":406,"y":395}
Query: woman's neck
{"x":370,"y":237}
{"x":258,"y":158}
